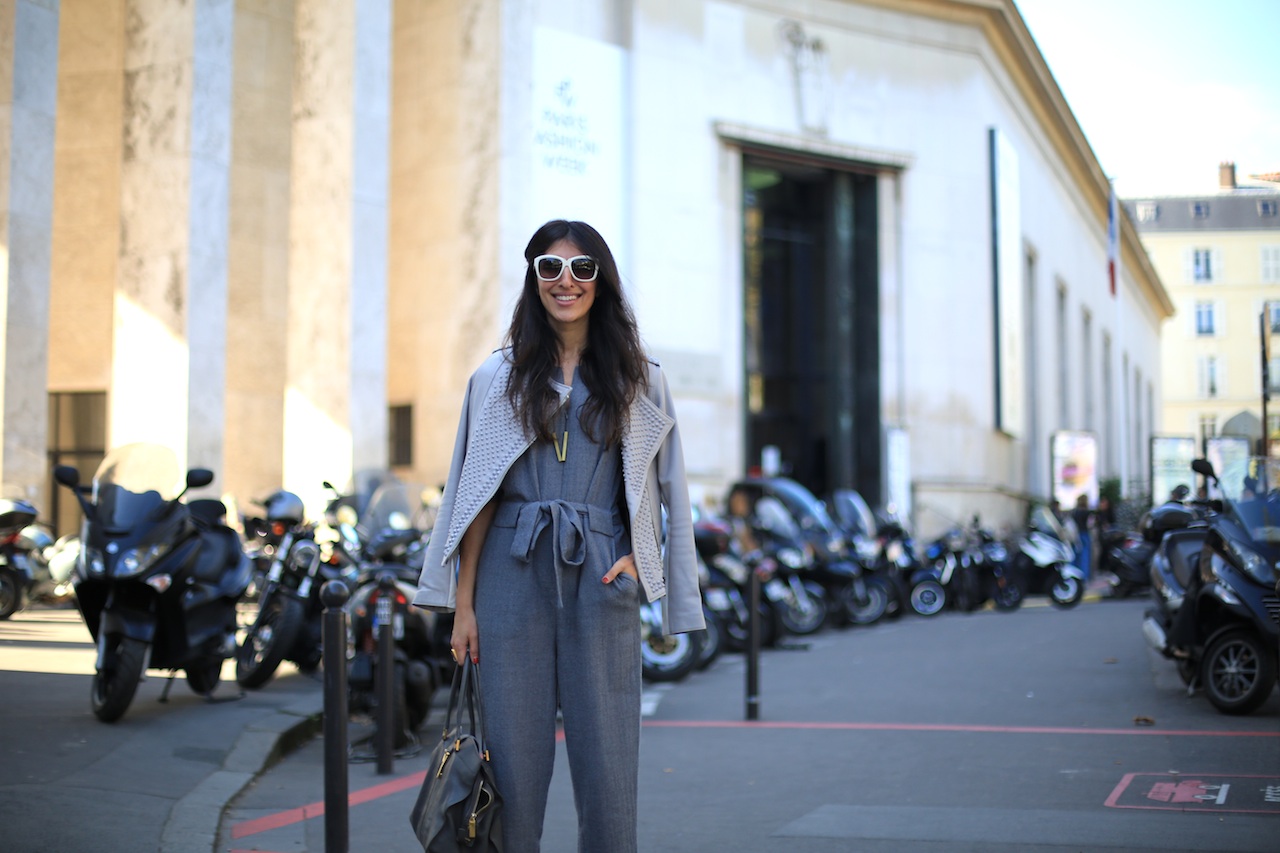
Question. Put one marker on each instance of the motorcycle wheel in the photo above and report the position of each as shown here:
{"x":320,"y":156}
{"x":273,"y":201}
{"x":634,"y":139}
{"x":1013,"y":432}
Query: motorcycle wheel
{"x":12,"y":594}
{"x":803,"y":617}
{"x":669,"y":658}
{"x":203,"y":677}
{"x":1008,"y":597}
{"x":713,"y":641}
{"x":1067,"y":592}
{"x":869,"y":610}
{"x":113,"y":688}
{"x":928,"y":598}
{"x":270,"y":636}
{"x":1238,"y":672}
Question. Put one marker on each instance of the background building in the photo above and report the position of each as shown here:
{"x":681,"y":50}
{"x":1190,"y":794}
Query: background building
{"x":1219,"y":256}
{"x":277,"y":235}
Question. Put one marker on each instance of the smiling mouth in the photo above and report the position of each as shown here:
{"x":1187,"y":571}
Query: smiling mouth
{"x":566,"y":298}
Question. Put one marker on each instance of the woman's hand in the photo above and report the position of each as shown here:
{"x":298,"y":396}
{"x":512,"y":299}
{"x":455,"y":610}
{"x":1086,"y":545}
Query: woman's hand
{"x":625,"y":566}
{"x":466,"y":637}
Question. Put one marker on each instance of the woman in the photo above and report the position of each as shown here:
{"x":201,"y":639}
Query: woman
{"x":550,"y":530}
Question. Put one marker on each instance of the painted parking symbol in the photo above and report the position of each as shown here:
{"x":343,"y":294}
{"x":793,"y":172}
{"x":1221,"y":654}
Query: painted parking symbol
{"x":1197,"y":792}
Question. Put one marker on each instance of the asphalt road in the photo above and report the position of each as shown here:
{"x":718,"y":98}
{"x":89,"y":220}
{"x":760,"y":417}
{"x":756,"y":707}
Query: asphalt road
{"x":1040,"y":730}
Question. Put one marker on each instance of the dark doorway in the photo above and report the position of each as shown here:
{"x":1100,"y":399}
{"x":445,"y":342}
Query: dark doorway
{"x":811,"y":312}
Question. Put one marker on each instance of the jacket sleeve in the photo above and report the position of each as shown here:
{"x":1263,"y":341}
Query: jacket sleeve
{"x":682,"y":605}
{"x":438,"y":583}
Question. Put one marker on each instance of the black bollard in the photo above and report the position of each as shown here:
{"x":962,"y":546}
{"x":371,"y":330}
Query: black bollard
{"x":753,"y":645}
{"x":384,"y":674}
{"x":337,"y":831}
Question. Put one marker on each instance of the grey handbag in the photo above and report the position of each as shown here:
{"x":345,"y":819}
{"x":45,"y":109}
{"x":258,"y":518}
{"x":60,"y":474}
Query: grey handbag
{"x":459,"y":807}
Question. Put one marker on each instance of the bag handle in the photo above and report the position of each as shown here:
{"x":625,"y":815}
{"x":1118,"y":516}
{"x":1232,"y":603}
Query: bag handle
{"x":464,"y":697}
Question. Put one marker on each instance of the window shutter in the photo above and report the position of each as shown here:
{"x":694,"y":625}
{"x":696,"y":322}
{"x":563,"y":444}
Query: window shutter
{"x":1215,"y":270}
{"x":1202,"y":379}
{"x":1189,"y":265}
{"x":1219,"y":318}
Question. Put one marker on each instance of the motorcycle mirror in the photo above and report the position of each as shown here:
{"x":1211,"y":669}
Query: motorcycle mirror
{"x":1203,"y":467}
{"x":329,"y":486}
{"x":198,"y":477}
{"x":67,"y":476}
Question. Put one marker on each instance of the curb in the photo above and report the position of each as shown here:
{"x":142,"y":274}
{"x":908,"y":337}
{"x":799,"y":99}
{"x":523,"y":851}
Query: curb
{"x":193,"y":822}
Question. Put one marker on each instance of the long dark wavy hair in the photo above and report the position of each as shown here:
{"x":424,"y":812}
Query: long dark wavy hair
{"x":613,"y":365}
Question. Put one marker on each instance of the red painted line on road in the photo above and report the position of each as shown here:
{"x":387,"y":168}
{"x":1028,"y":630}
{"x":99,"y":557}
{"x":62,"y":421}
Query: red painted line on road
{"x":355,"y":798}
{"x":943,"y":727}
{"x":413,"y":780}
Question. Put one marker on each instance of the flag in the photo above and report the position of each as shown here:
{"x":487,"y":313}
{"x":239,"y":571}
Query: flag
{"x":1113,"y":238}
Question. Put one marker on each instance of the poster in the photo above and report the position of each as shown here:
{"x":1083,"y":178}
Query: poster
{"x":1074,"y":458}
{"x":1171,"y":465}
{"x":1229,"y":455}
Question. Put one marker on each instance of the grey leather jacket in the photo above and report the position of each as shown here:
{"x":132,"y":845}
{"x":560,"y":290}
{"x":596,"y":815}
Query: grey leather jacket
{"x":490,"y":440}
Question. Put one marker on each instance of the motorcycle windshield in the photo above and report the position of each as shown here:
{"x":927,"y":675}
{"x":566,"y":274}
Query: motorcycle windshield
{"x":1043,"y":519}
{"x":392,"y":507}
{"x":853,"y":513}
{"x":134,"y":479}
{"x":806,"y":508}
{"x":1253,"y":501}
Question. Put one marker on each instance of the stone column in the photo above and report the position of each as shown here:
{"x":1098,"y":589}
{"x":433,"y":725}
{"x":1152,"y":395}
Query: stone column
{"x":28,"y":101}
{"x":169,"y":352}
{"x":335,"y":417}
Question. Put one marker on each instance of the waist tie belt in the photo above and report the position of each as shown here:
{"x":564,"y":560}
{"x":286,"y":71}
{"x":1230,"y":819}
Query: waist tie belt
{"x":568,"y":522}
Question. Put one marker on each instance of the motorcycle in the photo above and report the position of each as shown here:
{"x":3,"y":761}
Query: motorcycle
{"x":157,"y":579}
{"x":1043,"y":562}
{"x":288,"y":622}
{"x":389,"y":552}
{"x":725,"y":586}
{"x":852,"y":595}
{"x":885,"y":548}
{"x":799,"y":603}
{"x":24,"y":567}
{"x":1217,"y":613}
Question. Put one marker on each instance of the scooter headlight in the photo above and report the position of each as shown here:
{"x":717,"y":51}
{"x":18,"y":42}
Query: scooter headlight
{"x":792,"y":558}
{"x":91,"y":562}
{"x":1251,"y":563}
{"x":137,"y":560}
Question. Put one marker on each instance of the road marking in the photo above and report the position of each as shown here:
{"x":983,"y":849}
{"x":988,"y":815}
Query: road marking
{"x":946,"y":727}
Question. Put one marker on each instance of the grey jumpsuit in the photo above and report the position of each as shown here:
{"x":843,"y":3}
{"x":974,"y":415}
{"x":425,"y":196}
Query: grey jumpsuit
{"x":551,"y":633}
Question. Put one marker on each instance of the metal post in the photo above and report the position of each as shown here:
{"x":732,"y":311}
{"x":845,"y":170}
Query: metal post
{"x":1264,"y":334}
{"x":753,"y":644}
{"x":384,"y":674}
{"x":337,"y":832}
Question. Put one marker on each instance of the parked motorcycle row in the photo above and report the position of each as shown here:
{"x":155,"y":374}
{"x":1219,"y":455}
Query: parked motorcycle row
{"x":1211,"y":567}
{"x":838,"y":563}
{"x":163,"y":582}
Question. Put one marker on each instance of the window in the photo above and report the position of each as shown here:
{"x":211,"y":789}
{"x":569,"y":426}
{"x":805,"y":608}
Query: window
{"x":1202,"y":265}
{"x":1208,"y":427}
{"x":1209,"y":376}
{"x":1148,"y":211}
{"x":1273,"y":308}
{"x":1267,"y":208}
{"x":1204,"y":318}
{"x":1270,"y":264}
{"x":400,"y":438}
{"x":1199,"y":210}
{"x":1273,"y":375}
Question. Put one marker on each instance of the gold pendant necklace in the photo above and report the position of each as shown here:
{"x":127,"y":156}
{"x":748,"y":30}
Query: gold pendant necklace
{"x":562,"y":450}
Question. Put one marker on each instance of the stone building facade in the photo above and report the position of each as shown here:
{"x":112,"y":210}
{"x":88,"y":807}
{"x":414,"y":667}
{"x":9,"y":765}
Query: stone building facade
{"x":866,"y":238}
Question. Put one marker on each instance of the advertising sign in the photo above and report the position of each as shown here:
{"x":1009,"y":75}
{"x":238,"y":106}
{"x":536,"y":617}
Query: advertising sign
{"x":1171,"y":465}
{"x":1075,"y":466}
{"x":1229,"y":455}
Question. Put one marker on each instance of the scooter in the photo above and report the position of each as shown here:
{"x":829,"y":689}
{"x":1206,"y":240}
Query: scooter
{"x":1043,"y":563}
{"x":157,"y":579}
{"x":24,"y":570}
{"x":1216,"y":613}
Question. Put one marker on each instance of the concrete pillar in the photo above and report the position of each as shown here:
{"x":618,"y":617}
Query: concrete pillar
{"x":449,"y":277}
{"x":28,"y":101}
{"x":335,"y":415}
{"x":258,"y":247}
{"x":169,"y":353}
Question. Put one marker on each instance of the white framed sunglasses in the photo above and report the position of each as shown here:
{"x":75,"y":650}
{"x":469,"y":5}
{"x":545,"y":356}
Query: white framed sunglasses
{"x":551,"y":267}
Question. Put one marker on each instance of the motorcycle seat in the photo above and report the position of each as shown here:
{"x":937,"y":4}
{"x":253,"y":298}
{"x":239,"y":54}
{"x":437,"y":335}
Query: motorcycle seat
{"x":1184,"y":555}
